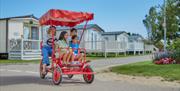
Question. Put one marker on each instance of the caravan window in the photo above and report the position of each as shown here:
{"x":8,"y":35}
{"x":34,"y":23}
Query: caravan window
{"x":34,"y":33}
{"x":106,"y":38}
{"x":31,"y":32}
{"x":26,"y":34}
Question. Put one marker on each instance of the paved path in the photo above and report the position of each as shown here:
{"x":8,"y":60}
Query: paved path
{"x":25,"y":77}
{"x":117,"y":61}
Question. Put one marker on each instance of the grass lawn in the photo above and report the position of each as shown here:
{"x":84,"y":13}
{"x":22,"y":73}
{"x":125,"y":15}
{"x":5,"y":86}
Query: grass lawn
{"x":18,"y":61}
{"x":170,"y":72}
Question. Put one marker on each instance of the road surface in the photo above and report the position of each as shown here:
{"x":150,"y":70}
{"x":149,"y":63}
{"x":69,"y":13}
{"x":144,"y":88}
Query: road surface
{"x":25,"y":77}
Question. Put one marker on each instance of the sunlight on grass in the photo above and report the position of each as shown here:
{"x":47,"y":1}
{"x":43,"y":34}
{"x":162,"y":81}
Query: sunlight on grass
{"x":169,"y":72}
{"x":18,"y":61}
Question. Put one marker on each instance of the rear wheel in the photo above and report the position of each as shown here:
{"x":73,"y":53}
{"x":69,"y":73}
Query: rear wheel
{"x":42,"y":76}
{"x":57,"y":75}
{"x":88,"y":78}
{"x":70,"y":76}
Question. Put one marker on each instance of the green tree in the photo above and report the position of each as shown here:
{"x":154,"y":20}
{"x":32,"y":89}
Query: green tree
{"x":151,"y":25}
{"x":172,"y":19}
{"x":155,"y":18}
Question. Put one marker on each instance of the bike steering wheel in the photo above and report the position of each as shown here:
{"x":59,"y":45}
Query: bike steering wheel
{"x":49,"y":41}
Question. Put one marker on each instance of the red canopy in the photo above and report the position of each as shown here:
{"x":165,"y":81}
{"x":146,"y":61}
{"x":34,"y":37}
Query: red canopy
{"x":64,"y":18}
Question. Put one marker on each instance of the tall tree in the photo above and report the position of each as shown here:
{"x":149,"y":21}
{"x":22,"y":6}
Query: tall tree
{"x":150,"y":22}
{"x":154,"y":21}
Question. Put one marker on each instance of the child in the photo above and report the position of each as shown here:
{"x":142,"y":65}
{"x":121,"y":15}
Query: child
{"x":75,"y":46}
{"x":73,"y":31}
{"x":47,"y":47}
{"x":62,"y":43}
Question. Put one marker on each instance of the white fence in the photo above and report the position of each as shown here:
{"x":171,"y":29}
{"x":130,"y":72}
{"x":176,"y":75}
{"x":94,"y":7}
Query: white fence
{"x":93,"y":46}
{"x":25,"y":49}
{"x":136,"y":46}
{"x":104,"y":46}
{"x":30,"y":49}
{"x":149,"y":47}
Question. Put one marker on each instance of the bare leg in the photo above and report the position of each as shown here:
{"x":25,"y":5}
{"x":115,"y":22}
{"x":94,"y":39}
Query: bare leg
{"x":80,"y":58}
{"x":64,"y":58}
{"x":69,"y":56}
{"x":44,"y":69}
{"x":72,"y":58}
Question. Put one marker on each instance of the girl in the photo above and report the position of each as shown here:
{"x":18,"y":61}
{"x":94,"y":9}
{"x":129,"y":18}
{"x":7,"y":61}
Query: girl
{"x":62,"y":43}
{"x":75,"y":46}
{"x":47,"y":47}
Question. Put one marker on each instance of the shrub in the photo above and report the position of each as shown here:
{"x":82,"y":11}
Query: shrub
{"x":175,"y":44}
{"x":176,"y":55}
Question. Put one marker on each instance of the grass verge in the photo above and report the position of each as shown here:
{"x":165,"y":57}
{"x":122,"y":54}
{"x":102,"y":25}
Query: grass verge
{"x":169,"y":72}
{"x":18,"y":61}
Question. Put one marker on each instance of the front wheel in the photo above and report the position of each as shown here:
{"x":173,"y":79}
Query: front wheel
{"x":42,"y":76}
{"x":88,"y":78}
{"x":57,"y":75}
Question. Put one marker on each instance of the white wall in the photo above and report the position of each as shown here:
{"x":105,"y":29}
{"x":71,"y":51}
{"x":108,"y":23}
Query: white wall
{"x":92,"y":39}
{"x":3,"y":36}
{"x":136,"y":45}
{"x":15,"y":29}
{"x":109,"y":37}
{"x":123,"y":39}
{"x":139,"y":45}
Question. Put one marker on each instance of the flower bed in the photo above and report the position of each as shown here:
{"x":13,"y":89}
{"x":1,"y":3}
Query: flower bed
{"x":167,"y":57}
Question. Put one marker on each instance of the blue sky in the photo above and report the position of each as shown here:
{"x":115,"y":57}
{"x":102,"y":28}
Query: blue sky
{"x":111,"y":15}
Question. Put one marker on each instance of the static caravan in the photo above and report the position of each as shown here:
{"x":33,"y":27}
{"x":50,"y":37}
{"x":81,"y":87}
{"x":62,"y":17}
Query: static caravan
{"x":116,"y":41}
{"x":136,"y":44}
{"x":91,"y":40}
{"x":149,"y":48}
{"x":20,"y":37}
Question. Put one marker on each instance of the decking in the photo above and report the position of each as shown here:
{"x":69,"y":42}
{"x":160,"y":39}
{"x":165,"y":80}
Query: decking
{"x":24,"y":49}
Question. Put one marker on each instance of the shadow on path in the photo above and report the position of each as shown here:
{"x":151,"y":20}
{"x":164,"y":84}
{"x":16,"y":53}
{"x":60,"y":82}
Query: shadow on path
{"x":15,"y":80}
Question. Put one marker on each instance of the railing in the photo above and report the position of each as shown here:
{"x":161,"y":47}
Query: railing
{"x":93,"y":46}
{"x":24,"y":49}
{"x":135,"y":46}
{"x":104,"y":46}
{"x":148,"y":47}
{"x":24,"y":44}
{"x":31,"y":45}
{"x":15,"y":44}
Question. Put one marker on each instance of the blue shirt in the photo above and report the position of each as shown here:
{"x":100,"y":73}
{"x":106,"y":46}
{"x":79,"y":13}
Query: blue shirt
{"x":74,"y":47}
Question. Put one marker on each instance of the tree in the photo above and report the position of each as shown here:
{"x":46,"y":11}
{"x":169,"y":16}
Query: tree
{"x":154,"y":21}
{"x":172,"y":19}
{"x":150,"y":22}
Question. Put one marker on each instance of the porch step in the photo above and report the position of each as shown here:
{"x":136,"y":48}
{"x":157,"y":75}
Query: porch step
{"x":31,"y":57}
{"x":27,"y":55}
{"x":14,"y":54}
{"x":15,"y":58}
{"x":24,"y":58}
{"x":32,"y":53}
